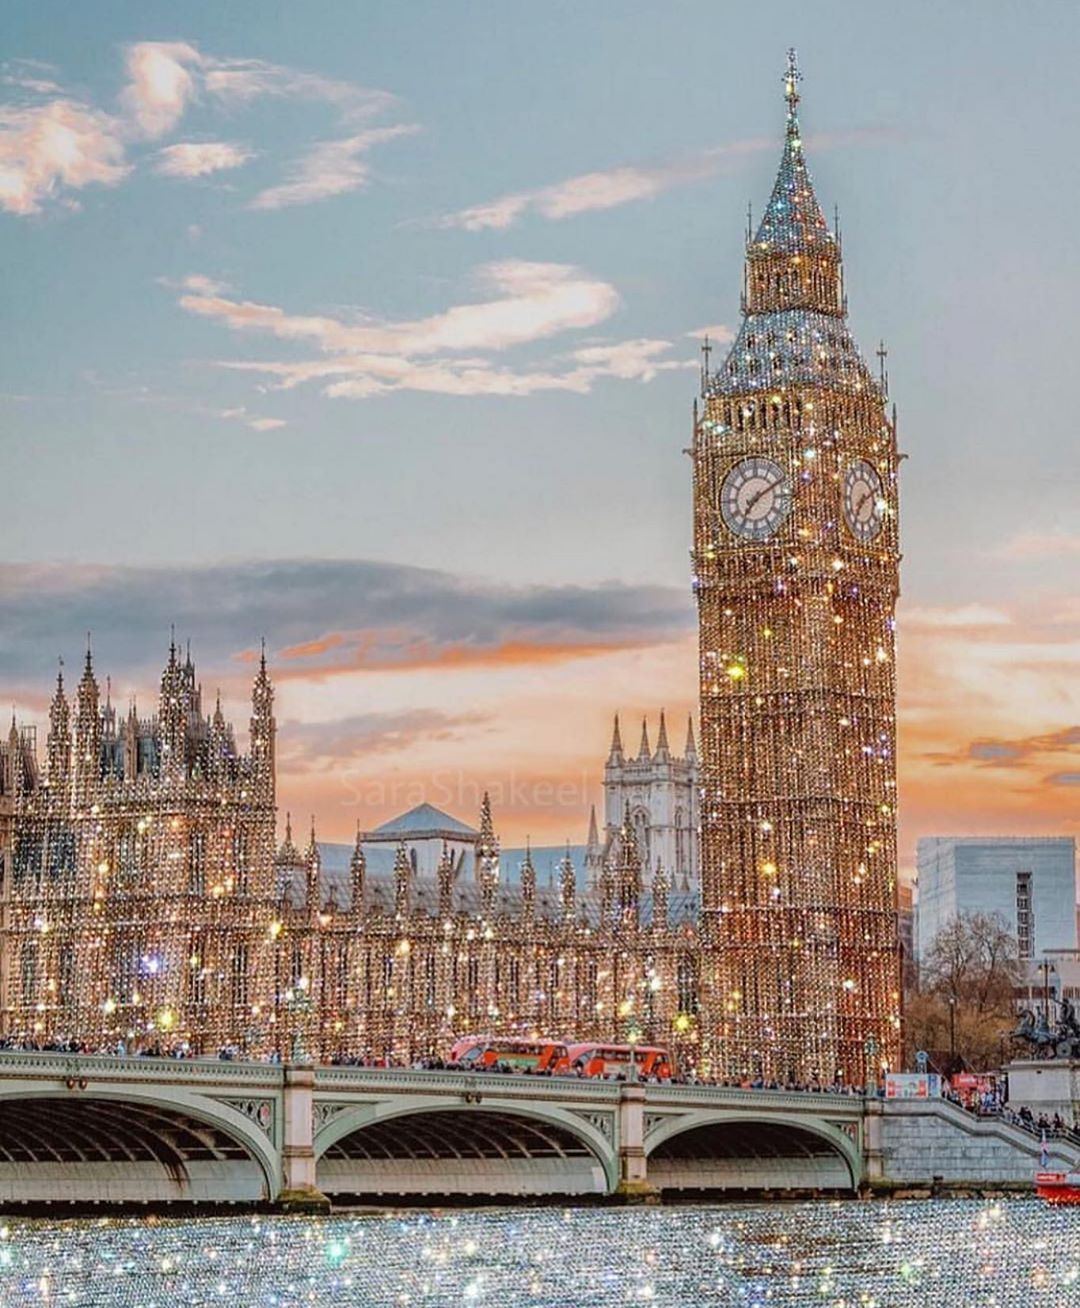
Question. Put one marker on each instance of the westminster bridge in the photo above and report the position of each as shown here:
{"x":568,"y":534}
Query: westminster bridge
{"x":91,"y":1128}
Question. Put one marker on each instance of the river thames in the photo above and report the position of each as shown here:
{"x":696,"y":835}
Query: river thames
{"x":1011,"y":1253}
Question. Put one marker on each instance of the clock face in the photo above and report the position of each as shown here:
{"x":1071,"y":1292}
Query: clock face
{"x":864,"y":502}
{"x":755,"y":498}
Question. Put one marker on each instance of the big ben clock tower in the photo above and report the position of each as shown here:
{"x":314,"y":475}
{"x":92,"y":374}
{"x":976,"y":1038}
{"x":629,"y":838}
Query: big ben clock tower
{"x":796,"y":562}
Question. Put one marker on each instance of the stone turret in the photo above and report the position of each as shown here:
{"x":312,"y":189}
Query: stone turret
{"x":528,"y":885}
{"x":357,"y":875}
{"x":59,"y":741}
{"x":402,"y":881}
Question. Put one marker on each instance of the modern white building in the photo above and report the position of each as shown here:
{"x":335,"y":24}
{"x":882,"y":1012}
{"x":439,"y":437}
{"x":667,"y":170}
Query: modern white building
{"x":1029,"y":881}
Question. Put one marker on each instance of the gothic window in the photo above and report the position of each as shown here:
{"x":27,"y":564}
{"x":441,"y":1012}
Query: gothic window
{"x":686,"y":984}
{"x":429,"y":980}
{"x":196,"y":863}
{"x":554,"y":985}
{"x":239,"y":987}
{"x":240,"y":862}
{"x":388,"y":975}
{"x":197,"y":970}
{"x":29,"y":971}
{"x":680,"y":842}
{"x":641,"y":835}
{"x":66,"y":973}
{"x":472,"y":974}
{"x":27,"y":858}
{"x":591,"y":986}
{"x":61,"y":855}
{"x":514,"y":982}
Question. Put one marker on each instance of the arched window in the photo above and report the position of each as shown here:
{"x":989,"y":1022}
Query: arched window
{"x":641,"y":834}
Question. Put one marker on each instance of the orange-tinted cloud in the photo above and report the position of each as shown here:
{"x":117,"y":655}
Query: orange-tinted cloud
{"x":374,"y":654}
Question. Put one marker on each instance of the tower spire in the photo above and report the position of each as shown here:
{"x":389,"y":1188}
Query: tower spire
{"x":644,"y":752}
{"x":615,"y":752}
{"x":691,"y":747}
{"x":663,"y":752}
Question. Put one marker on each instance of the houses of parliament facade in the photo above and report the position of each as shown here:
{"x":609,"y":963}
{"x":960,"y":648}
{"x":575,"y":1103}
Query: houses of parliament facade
{"x":144,"y":903}
{"x":740,"y":903}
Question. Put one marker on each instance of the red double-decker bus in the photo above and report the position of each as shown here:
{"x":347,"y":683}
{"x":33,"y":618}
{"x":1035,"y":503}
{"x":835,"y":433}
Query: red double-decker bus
{"x":595,"y":1059}
{"x":484,"y":1052}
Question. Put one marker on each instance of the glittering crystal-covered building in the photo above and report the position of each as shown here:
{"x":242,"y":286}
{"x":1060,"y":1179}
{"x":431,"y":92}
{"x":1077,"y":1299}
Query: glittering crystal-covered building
{"x":142,"y":903}
{"x":796,"y":561}
{"x":136,"y":869}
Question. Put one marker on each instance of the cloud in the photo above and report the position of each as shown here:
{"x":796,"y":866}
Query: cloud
{"x":608,"y":188}
{"x":252,"y":420}
{"x":1063,"y":779}
{"x":200,"y":158}
{"x":718,"y":334}
{"x":1040,"y":545}
{"x":604,"y":189}
{"x":445,"y":353}
{"x":964,"y":615}
{"x":330,"y":168}
{"x":47,"y":147}
{"x":328,"y":746}
{"x":161,"y":84}
{"x":51,"y":142}
{"x":411,"y":616}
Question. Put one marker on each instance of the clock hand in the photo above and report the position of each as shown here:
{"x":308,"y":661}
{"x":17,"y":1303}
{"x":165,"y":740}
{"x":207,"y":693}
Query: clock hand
{"x":769,"y":486}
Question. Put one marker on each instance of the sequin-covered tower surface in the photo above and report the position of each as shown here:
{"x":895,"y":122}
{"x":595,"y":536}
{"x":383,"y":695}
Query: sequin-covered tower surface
{"x":796,"y":562}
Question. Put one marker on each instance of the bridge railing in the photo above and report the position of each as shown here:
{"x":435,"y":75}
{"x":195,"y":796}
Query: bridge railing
{"x":794,"y":1100}
{"x":48,"y":1063}
{"x":490,"y":1083}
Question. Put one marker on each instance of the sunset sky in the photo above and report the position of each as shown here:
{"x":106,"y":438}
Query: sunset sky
{"x":372,"y":329}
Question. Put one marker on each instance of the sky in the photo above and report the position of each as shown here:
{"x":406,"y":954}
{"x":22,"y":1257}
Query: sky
{"x":374,"y":331}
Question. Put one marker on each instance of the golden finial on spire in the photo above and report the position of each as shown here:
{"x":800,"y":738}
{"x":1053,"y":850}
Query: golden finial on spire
{"x":792,"y":78}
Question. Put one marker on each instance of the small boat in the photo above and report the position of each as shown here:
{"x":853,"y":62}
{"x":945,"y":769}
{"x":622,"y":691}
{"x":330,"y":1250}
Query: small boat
{"x":1058,"y":1187}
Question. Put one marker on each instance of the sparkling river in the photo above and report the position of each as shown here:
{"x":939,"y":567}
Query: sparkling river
{"x":1016,"y":1253}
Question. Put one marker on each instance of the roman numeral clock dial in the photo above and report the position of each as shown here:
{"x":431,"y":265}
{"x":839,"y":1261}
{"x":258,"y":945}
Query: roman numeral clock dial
{"x":755,"y":498}
{"x":864,"y":501}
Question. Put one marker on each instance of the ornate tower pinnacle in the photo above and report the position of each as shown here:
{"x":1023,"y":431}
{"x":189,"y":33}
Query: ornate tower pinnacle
{"x":87,"y":728}
{"x":263,"y":730}
{"x":663,"y":752}
{"x":487,"y":857}
{"x":528,"y":884}
{"x":59,"y":742}
{"x":796,"y":563}
{"x":567,"y":885}
{"x":357,"y":874}
{"x":644,"y":754}
{"x":615,"y":754}
{"x":690,"y":752}
{"x":402,"y":880}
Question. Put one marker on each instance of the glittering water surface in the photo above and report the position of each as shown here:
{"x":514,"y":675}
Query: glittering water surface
{"x":946,"y":1254}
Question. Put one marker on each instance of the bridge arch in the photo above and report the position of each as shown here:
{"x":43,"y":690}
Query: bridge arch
{"x":435,"y":1146}
{"x":129,"y":1144}
{"x":735,"y":1150}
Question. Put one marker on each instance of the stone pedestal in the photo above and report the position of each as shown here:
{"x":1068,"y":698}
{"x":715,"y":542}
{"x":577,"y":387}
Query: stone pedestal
{"x":299,"y":1192}
{"x":633,"y":1184}
{"x":1047,"y":1086}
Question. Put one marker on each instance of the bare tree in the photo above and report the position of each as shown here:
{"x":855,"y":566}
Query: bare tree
{"x":964,"y":1007}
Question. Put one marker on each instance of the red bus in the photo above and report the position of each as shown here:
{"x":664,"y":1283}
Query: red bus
{"x":595,"y":1059}
{"x":482,"y":1052}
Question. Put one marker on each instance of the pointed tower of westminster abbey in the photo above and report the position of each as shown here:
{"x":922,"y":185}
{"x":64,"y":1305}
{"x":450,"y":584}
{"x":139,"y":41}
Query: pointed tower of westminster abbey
{"x":796,"y":562}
